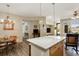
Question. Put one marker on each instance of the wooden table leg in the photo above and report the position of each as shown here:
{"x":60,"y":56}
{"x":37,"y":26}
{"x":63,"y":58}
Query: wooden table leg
{"x":29,"y":50}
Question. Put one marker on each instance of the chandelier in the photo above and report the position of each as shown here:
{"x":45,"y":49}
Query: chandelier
{"x":75,"y":15}
{"x":7,"y":19}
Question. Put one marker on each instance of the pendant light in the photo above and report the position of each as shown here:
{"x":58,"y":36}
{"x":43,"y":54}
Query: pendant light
{"x":8,"y":20}
{"x":8,"y":6}
{"x":40,"y":9}
{"x":54,"y":18}
{"x":54,"y":14}
{"x":41,"y":21}
{"x":40,"y":14}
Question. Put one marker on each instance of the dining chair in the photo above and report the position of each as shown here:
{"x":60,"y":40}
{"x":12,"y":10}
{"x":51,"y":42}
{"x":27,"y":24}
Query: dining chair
{"x":12,"y":41}
{"x":72,"y":41}
{"x":3,"y":48}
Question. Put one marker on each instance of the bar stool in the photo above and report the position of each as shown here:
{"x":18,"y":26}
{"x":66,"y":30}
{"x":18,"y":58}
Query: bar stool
{"x":72,"y":41}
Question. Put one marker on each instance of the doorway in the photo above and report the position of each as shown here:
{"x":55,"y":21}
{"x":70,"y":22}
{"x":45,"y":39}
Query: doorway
{"x":25,"y":30}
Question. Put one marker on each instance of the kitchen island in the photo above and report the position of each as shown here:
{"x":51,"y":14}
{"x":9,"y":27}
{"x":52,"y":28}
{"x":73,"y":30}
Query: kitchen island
{"x":46,"y":46}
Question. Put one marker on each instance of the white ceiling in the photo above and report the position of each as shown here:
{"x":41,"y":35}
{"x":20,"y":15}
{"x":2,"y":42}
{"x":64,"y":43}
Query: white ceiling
{"x":33,"y":9}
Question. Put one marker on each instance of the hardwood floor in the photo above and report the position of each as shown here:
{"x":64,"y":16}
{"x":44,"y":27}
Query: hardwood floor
{"x":21,"y":49}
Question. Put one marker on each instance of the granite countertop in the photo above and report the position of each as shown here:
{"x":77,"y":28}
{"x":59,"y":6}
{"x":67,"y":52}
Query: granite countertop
{"x":46,"y":42}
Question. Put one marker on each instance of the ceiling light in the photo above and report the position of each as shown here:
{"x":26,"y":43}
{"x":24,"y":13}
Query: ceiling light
{"x":75,"y":15}
{"x":54,"y":14}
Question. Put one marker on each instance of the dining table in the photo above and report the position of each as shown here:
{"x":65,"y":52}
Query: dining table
{"x":5,"y":42}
